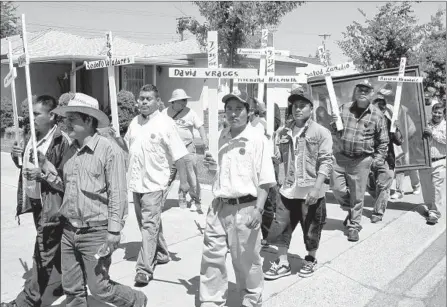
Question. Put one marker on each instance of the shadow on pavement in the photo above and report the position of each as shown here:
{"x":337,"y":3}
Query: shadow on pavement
{"x":131,"y":250}
{"x":332,"y":224}
{"x":192,"y":288}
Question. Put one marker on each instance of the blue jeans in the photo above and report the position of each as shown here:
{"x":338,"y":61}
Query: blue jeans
{"x":379,"y":185}
{"x":80,"y":268}
{"x":47,"y":255}
{"x":349,"y":180}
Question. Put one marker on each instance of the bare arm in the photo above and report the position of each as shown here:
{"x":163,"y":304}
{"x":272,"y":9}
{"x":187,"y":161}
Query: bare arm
{"x":203,"y":136}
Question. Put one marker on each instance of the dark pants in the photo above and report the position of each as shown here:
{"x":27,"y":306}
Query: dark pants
{"x":80,"y":268}
{"x":269,"y":211}
{"x":290,"y":212}
{"x":47,"y":255}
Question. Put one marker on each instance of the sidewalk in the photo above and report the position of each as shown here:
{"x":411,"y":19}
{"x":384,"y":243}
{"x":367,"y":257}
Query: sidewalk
{"x":349,"y":274}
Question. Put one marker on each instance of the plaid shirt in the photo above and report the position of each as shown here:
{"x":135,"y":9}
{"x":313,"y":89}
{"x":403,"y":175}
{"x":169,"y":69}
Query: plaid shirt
{"x":366,"y":135}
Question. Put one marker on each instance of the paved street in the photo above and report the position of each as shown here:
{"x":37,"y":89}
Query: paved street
{"x":398,"y":262}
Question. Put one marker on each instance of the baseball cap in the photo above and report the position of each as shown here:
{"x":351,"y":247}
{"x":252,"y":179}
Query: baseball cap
{"x":364,"y":83}
{"x":241,"y":96}
{"x":299,"y":96}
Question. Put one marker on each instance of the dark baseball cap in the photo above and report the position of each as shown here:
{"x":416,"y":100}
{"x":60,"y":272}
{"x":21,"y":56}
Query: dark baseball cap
{"x":364,"y":83}
{"x":241,"y":96}
{"x":299,"y":96}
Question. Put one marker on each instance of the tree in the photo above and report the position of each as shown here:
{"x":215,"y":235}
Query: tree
{"x":6,"y":114}
{"x":9,"y":20}
{"x":236,"y":22}
{"x":393,"y":33}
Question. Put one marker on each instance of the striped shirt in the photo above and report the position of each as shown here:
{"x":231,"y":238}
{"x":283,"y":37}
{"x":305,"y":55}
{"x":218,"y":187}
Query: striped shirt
{"x":438,"y":140}
{"x":95,"y":185}
{"x":367,"y":134}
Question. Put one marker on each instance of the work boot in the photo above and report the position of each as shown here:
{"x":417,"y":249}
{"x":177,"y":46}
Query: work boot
{"x":59,"y":291}
{"x":353,"y":235}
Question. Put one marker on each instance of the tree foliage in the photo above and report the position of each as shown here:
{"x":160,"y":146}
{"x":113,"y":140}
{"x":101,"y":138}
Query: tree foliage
{"x":236,"y":22}
{"x":10,"y":24}
{"x":6,"y":114}
{"x":126,"y":109}
{"x":393,"y":33}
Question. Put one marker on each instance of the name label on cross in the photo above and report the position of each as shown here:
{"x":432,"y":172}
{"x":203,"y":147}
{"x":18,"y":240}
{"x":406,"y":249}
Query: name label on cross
{"x":223,"y":73}
{"x":109,"y":62}
{"x":248,"y":51}
{"x":274,"y":79}
{"x":401,"y":79}
{"x":325,"y":70}
{"x":9,"y":77}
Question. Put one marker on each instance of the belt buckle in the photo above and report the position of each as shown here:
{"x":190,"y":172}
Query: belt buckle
{"x":225,"y":201}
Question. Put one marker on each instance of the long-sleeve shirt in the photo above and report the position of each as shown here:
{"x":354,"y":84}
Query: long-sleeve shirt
{"x":95,"y":185}
{"x":367,"y":134}
{"x":438,"y":140}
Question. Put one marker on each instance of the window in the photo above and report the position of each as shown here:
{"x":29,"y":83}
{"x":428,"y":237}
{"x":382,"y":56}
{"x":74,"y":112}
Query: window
{"x":133,"y":78}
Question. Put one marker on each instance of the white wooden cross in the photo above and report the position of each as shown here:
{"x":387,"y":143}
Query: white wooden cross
{"x":10,"y":81}
{"x":267,"y":67}
{"x":110,"y":62}
{"x":326,"y":71}
{"x":400,"y":79}
{"x":23,"y":60}
{"x":212,"y":72}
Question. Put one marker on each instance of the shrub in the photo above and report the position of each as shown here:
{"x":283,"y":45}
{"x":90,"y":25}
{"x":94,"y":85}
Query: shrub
{"x":126,"y":109}
{"x":6,"y":114}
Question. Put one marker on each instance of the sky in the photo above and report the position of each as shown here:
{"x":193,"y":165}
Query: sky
{"x":155,"y":22}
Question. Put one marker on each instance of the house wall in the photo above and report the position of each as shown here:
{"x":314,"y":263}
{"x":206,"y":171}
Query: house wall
{"x":43,"y":80}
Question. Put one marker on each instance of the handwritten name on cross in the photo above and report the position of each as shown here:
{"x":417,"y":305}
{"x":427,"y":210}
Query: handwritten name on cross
{"x":10,"y":81}
{"x":214,"y":73}
{"x":110,"y":62}
{"x":400,"y":79}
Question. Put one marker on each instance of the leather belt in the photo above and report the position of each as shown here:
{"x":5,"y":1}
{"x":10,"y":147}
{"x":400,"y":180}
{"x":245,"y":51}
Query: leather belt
{"x":78,"y":224}
{"x":437,"y":159}
{"x":238,"y":200}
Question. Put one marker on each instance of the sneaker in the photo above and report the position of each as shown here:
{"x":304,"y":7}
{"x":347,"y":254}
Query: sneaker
{"x":163,"y":261}
{"x":417,"y":190}
{"x":264,"y":244}
{"x":353,"y":235}
{"x":140,"y":300}
{"x":376,"y":218}
{"x":397,"y":195}
{"x":142,"y":279}
{"x":308,"y":268}
{"x":277,"y":270}
{"x":432,"y":219}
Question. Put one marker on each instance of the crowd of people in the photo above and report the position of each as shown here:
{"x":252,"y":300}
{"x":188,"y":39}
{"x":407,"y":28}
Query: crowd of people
{"x":265,"y":185}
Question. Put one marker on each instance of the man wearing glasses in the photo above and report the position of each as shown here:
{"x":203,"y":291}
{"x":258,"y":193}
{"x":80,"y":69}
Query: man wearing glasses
{"x":154,"y":145}
{"x":363,"y":144}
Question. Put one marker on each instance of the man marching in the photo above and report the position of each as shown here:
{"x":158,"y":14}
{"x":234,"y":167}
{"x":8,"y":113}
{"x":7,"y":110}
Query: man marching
{"x":186,"y":121}
{"x":245,"y":174}
{"x":305,"y":149}
{"x":42,"y":200}
{"x":154,"y":145}
{"x":94,"y":207}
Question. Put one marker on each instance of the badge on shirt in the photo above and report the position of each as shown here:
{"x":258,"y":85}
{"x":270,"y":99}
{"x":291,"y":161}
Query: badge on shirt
{"x":242,"y":151}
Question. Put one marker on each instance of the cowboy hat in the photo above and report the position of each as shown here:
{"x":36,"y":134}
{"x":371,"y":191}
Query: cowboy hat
{"x":82,"y":103}
{"x":178,"y":94}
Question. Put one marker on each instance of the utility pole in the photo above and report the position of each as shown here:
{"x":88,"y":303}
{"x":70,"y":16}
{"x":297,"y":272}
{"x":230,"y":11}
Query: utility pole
{"x":324,"y":44}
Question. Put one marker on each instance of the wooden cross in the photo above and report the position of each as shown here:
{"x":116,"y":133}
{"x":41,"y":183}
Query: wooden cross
{"x":400,"y":79}
{"x":10,"y":81}
{"x":326,"y":71}
{"x":212,"y":72}
{"x":267,"y":67}
{"x":110,"y":62}
{"x":23,"y":60}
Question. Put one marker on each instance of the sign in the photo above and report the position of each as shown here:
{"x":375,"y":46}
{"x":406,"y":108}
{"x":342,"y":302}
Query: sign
{"x":23,"y":60}
{"x":205,"y":73}
{"x":270,"y":61}
{"x":324,"y":70}
{"x":247,"y":51}
{"x":213,"y":61}
{"x":10,"y":77}
{"x":322,"y":56}
{"x":274,"y":79}
{"x":109,"y":62}
{"x":400,"y":79}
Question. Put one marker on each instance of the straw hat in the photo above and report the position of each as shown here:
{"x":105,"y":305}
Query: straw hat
{"x":178,"y":94}
{"x":85,"y":104}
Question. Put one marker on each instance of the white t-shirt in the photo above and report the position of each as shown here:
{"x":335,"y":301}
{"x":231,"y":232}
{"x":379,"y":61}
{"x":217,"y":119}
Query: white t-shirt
{"x":154,"y":144}
{"x":185,"y":123}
